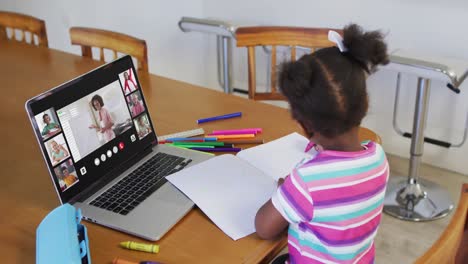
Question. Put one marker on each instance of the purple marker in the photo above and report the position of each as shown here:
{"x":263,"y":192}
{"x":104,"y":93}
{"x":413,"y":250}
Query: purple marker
{"x":218,"y":149}
{"x":221,"y":117}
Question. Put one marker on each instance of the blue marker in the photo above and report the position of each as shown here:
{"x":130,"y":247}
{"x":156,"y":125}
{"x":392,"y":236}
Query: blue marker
{"x":214,"y":118}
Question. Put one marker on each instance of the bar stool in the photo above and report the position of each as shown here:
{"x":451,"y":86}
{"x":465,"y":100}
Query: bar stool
{"x":412,"y":198}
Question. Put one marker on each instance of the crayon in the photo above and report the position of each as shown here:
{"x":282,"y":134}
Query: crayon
{"x":152,"y":248}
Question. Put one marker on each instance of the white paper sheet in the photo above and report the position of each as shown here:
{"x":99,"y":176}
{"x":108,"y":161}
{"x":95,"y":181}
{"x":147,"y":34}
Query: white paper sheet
{"x":278,"y":157}
{"x":228,"y":190}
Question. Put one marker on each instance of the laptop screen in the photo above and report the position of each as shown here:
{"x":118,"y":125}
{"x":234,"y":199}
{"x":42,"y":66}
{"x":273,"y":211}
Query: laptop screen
{"x":89,"y":126}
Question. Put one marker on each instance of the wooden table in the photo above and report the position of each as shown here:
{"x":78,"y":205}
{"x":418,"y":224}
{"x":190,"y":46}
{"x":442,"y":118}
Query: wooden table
{"x":27,"y":193}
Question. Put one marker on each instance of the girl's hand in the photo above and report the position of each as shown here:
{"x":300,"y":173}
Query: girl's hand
{"x":318,"y":148}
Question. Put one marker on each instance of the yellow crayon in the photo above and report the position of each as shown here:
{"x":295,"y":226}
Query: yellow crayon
{"x":152,"y":248}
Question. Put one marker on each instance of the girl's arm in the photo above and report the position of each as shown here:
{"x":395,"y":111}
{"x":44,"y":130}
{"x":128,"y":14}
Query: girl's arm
{"x":269,"y":223}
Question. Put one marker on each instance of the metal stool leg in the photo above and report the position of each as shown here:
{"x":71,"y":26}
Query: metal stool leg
{"x":411,"y":198}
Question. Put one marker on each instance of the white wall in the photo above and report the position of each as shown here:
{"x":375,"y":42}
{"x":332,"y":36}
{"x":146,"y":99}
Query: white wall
{"x":171,"y":52}
{"x":428,"y":26}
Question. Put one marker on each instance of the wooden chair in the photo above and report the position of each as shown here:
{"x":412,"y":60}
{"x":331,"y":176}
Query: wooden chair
{"x":251,"y":37}
{"x":312,"y":38}
{"x":24,"y":24}
{"x":452,"y":245}
{"x":104,"y":39}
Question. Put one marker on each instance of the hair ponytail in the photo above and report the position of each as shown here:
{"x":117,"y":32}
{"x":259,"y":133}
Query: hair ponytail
{"x":367,"y":48}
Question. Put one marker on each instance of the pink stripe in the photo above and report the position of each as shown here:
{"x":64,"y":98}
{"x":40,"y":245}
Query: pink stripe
{"x":357,"y":219}
{"x":296,"y":256}
{"x":350,"y":154}
{"x":367,"y":254}
{"x":344,"y":179}
{"x":326,"y":159}
{"x":348,"y":234}
{"x":298,"y":202}
{"x":348,"y":191}
{"x":349,"y":202}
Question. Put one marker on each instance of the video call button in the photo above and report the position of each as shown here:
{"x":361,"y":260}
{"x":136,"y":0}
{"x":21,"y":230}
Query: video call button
{"x":97,"y":162}
{"x":103,"y":157}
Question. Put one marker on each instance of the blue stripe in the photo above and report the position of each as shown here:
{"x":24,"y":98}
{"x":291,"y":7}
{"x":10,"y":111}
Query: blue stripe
{"x":345,"y":172}
{"x":336,"y":218}
{"x":322,"y":249}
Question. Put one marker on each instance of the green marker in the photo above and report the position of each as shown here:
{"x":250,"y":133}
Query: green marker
{"x":188,"y":145}
{"x":209,"y":143}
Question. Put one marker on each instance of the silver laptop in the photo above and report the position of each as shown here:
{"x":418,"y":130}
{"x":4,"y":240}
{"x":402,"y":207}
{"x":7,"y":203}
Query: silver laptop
{"x":102,"y":152}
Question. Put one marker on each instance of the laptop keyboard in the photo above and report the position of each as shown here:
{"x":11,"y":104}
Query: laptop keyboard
{"x":130,"y":191}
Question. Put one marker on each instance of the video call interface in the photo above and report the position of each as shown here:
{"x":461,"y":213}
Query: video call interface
{"x":84,"y":136}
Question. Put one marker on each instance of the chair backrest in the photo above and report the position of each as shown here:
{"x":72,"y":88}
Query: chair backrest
{"x":367,"y":134}
{"x":116,"y":42}
{"x":25,"y":25}
{"x":452,"y":245}
{"x":250,"y":37}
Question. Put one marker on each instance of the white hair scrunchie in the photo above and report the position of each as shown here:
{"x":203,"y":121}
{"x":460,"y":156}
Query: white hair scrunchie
{"x":336,"y":38}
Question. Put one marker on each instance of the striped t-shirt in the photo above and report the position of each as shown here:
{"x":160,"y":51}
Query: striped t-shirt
{"x":333,"y":203}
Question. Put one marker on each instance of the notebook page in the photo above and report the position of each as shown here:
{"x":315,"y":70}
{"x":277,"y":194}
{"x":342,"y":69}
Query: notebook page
{"x":278,"y":157}
{"x":228,"y":190}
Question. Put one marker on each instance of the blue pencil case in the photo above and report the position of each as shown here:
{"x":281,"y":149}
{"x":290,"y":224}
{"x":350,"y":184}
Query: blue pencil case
{"x":60,"y":238}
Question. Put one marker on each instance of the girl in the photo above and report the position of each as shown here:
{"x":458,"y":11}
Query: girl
{"x":137,"y":106}
{"x":331,"y":202}
{"x":58,"y":152}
